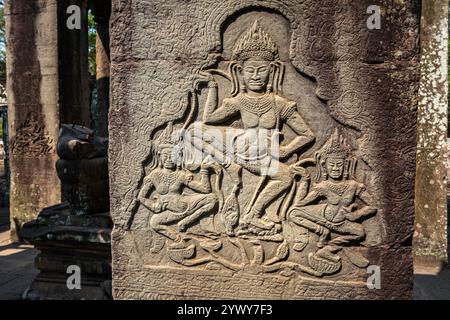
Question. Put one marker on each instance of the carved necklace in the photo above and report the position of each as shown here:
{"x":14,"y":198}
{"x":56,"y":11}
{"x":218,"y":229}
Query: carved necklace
{"x":337,"y":188}
{"x":258,"y":105}
{"x":168,"y":179}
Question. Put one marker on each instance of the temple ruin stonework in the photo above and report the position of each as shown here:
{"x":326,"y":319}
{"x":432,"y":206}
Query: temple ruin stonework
{"x":33,"y":116}
{"x":262,"y":149}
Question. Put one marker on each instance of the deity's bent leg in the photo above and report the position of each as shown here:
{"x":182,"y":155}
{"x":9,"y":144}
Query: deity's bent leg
{"x":212,"y":142}
{"x":348,"y":232}
{"x":200,"y":205}
{"x":279,"y":181}
{"x":312,"y":213}
{"x":306,"y":220}
{"x":159,"y":222}
{"x":207,"y":140}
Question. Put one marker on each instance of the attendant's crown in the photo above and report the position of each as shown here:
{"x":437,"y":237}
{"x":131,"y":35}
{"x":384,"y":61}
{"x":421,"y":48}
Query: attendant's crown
{"x":336,"y":147}
{"x":166,"y":139}
{"x":256,"y":43}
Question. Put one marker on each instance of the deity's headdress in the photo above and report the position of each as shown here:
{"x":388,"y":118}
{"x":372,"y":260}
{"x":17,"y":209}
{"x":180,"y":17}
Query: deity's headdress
{"x":336,"y":147}
{"x":257,"y":44}
{"x":167,"y":139}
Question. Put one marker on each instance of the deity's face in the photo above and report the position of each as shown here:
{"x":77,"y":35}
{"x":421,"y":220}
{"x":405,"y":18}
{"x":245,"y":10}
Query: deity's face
{"x":256,"y":75}
{"x":166,"y":158}
{"x":335,"y":167}
{"x":32,"y":117}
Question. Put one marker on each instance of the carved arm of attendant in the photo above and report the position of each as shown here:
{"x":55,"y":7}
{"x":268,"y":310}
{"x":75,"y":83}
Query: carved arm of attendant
{"x":211,"y":115}
{"x":204,"y":184}
{"x":367,"y":210}
{"x":304,"y":134}
{"x":155,"y":206}
{"x":304,"y":183}
{"x":312,"y":196}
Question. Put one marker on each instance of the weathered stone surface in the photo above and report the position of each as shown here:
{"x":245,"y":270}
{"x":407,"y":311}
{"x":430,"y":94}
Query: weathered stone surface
{"x":65,"y":240}
{"x":299,"y":218}
{"x":430,"y":237}
{"x":73,"y":66}
{"x":33,"y":115}
{"x":79,"y":232}
{"x":83,"y":169}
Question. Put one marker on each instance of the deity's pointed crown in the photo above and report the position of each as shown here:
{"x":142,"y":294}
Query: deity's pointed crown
{"x":336,"y":147}
{"x":165,"y":139}
{"x":255,"y":43}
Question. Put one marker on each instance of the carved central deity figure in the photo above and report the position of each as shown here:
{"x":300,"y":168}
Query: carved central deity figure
{"x":234,"y":190}
{"x":256,"y":73}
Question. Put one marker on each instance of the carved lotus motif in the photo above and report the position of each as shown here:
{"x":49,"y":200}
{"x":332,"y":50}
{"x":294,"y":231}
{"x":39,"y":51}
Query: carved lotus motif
{"x":179,"y":255}
{"x":322,"y":265}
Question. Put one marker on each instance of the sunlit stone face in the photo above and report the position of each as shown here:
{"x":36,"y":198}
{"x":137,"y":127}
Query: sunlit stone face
{"x":166,"y":158}
{"x":256,"y":75}
{"x":335,"y":167}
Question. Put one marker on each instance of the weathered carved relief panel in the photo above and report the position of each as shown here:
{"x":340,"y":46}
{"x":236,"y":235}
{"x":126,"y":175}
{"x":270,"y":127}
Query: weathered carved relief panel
{"x":31,"y":139}
{"x":250,"y":150}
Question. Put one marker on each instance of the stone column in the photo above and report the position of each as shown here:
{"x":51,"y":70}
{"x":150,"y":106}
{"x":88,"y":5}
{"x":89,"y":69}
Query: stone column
{"x":430,"y":237}
{"x":4,"y":188}
{"x":102,"y":13}
{"x":73,"y":66}
{"x":33,"y":116}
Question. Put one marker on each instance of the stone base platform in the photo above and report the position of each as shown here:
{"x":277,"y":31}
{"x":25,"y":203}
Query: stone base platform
{"x":65,"y":240}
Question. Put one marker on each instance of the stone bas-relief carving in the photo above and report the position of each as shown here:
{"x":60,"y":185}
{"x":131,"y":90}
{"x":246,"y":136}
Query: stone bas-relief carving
{"x":251,"y":149}
{"x":31,"y":139}
{"x":210,"y":227}
{"x":340,"y":214}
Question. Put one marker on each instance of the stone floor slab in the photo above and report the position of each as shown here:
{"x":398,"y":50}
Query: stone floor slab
{"x":16,"y":268}
{"x":432,"y":287}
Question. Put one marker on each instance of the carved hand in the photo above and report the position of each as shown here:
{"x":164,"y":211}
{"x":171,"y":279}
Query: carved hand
{"x":349,"y":212}
{"x":164,"y":204}
{"x":156,"y":205}
{"x":207,"y":164}
{"x":300,"y":171}
{"x":205,"y":77}
{"x":284,"y":153}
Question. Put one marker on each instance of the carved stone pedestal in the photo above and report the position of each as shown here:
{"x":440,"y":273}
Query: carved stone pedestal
{"x":77,"y":233}
{"x":64,"y":240}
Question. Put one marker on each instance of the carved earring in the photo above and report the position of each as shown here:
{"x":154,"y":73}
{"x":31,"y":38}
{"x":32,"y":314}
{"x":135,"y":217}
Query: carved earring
{"x":318,"y":167}
{"x":323,"y":170}
{"x":325,"y":174}
{"x":242,"y":87}
{"x":271,"y":77}
{"x":346,"y":169}
{"x":352,"y":168}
